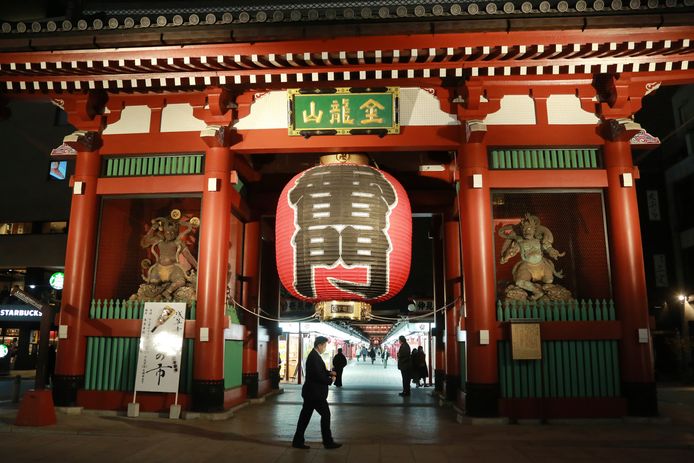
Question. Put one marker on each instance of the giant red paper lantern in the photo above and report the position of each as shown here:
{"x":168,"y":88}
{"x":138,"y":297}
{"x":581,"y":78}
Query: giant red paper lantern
{"x":343,"y":233}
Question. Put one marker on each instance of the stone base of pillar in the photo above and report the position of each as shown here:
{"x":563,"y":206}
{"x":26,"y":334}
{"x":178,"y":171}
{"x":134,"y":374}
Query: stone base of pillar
{"x":65,"y":390}
{"x":439,"y":380}
{"x":250,"y":380}
{"x":642,"y":399}
{"x":452,"y":387}
{"x":274,"y":377}
{"x":482,"y":400}
{"x":208,"y":396}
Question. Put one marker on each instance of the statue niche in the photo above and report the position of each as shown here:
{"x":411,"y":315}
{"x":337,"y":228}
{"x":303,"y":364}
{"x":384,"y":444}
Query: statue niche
{"x":534,"y":274}
{"x":173,"y":275}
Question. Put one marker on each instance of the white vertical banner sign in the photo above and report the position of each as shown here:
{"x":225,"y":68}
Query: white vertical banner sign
{"x":161,"y":342}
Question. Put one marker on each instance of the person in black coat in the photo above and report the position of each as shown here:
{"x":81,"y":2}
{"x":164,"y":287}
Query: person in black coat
{"x":405,"y":365}
{"x":315,"y":394}
{"x":339,"y":364}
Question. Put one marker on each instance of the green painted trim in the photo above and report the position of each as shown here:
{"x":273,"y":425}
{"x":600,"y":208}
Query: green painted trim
{"x":111,"y":364}
{"x":140,"y":166}
{"x":233,"y":360}
{"x":123,"y":309}
{"x":562,"y":158}
{"x":567,"y":369}
{"x":576,"y":310}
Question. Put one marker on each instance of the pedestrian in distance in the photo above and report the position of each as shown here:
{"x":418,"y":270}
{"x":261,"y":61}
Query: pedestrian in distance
{"x":339,"y":364}
{"x":315,"y":395}
{"x":404,"y":365}
{"x":422,"y":366}
{"x":386,"y":355}
{"x":414,"y":372}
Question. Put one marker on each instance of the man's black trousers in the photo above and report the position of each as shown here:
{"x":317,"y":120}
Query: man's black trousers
{"x":321,"y":406}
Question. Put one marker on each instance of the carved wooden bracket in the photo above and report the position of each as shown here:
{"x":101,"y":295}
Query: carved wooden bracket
{"x":86,"y":112}
{"x":622,"y":129}
{"x":84,"y":140}
{"x":216,"y":136}
{"x":475,"y":130}
{"x":473,"y":104}
{"x":218,"y":108}
{"x":618,"y":98}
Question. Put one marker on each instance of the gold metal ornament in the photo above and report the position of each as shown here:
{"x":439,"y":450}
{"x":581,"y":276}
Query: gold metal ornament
{"x":176,"y":214}
{"x":350,"y":310}
{"x":345,"y":158}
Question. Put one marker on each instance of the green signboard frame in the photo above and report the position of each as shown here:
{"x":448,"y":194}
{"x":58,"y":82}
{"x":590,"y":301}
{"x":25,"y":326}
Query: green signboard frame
{"x":344,"y":111}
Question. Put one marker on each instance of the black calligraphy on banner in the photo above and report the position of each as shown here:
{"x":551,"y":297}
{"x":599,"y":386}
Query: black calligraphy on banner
{"x":342,"y":215}
{"x":160,"y":370}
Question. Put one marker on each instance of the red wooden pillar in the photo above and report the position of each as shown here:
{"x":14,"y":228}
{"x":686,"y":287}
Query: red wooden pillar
{"x":482,"y":382}
{"x":453,"y":293}
{"x":440,"y":299}
{"x":251,"y":260}
{"x":79,"y":268}
{"x":628,"y":276}
{"x":208,"y":372}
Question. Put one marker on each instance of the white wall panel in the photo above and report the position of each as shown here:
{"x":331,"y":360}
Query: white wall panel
{"x":515,"y":110}
{"x":133,"y":119}
{"x":179,"y":118}
{"x":566,"y":109}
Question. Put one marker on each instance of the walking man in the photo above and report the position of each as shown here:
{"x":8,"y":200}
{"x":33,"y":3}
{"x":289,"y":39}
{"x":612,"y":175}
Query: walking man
{"x":315,"y":394}
{"x":404,"y":365}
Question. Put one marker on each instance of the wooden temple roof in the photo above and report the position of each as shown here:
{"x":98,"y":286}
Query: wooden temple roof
{"x":149,"y":46}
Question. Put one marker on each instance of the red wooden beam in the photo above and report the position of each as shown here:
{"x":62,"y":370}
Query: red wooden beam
{"x":548,"y":135}
{"x":168,"y":142}
{"x":411,"y":138}
{"x":547,"y":178}
{"x":149,"y":185}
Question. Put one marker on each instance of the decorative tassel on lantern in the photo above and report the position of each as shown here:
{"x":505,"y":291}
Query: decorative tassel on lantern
{"x":343,"y":236}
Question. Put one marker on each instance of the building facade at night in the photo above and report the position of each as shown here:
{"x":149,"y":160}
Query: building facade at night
{"x":512,"y":129}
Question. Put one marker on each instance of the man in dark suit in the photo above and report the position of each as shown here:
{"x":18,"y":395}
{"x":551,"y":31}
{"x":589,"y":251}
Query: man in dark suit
{"x":315,"y":394}
{"x":405,"y":365}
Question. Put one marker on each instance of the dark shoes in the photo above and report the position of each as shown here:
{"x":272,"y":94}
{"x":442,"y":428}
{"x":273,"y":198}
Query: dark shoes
{"x":332,"y":445}
{"x":300,"y":446}
{"x":403,"y":394}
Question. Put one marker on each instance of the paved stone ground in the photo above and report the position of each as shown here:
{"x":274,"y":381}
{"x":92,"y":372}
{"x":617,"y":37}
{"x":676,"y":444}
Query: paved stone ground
{"x":374,"y":424}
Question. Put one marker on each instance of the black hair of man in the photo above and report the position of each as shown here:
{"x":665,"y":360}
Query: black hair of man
{"x":320,"y":340}
{"x":402,"y":339}
{"x":339,"y":349}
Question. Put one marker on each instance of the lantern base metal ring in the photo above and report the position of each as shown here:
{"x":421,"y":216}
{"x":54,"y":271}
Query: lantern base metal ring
{"x":341,"y":310}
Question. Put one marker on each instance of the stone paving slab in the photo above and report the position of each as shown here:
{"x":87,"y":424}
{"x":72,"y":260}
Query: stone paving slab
{"x":373,"y":423}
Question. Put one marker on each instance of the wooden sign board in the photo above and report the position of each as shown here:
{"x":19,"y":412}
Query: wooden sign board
{"x":526,"y":343}
{"x":343,"y":111}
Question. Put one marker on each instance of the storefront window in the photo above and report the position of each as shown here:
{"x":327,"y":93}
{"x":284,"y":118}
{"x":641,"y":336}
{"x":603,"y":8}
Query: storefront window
{"x":19,"y":228}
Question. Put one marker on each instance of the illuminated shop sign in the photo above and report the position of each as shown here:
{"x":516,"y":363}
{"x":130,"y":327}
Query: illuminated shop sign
{"x":56,"y":280}
{"x":19,"y":314}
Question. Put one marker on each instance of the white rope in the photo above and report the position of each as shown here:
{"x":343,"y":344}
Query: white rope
{"x":414,"y":317}
{"x":371,"y":316}
{"x":236,"y":304}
